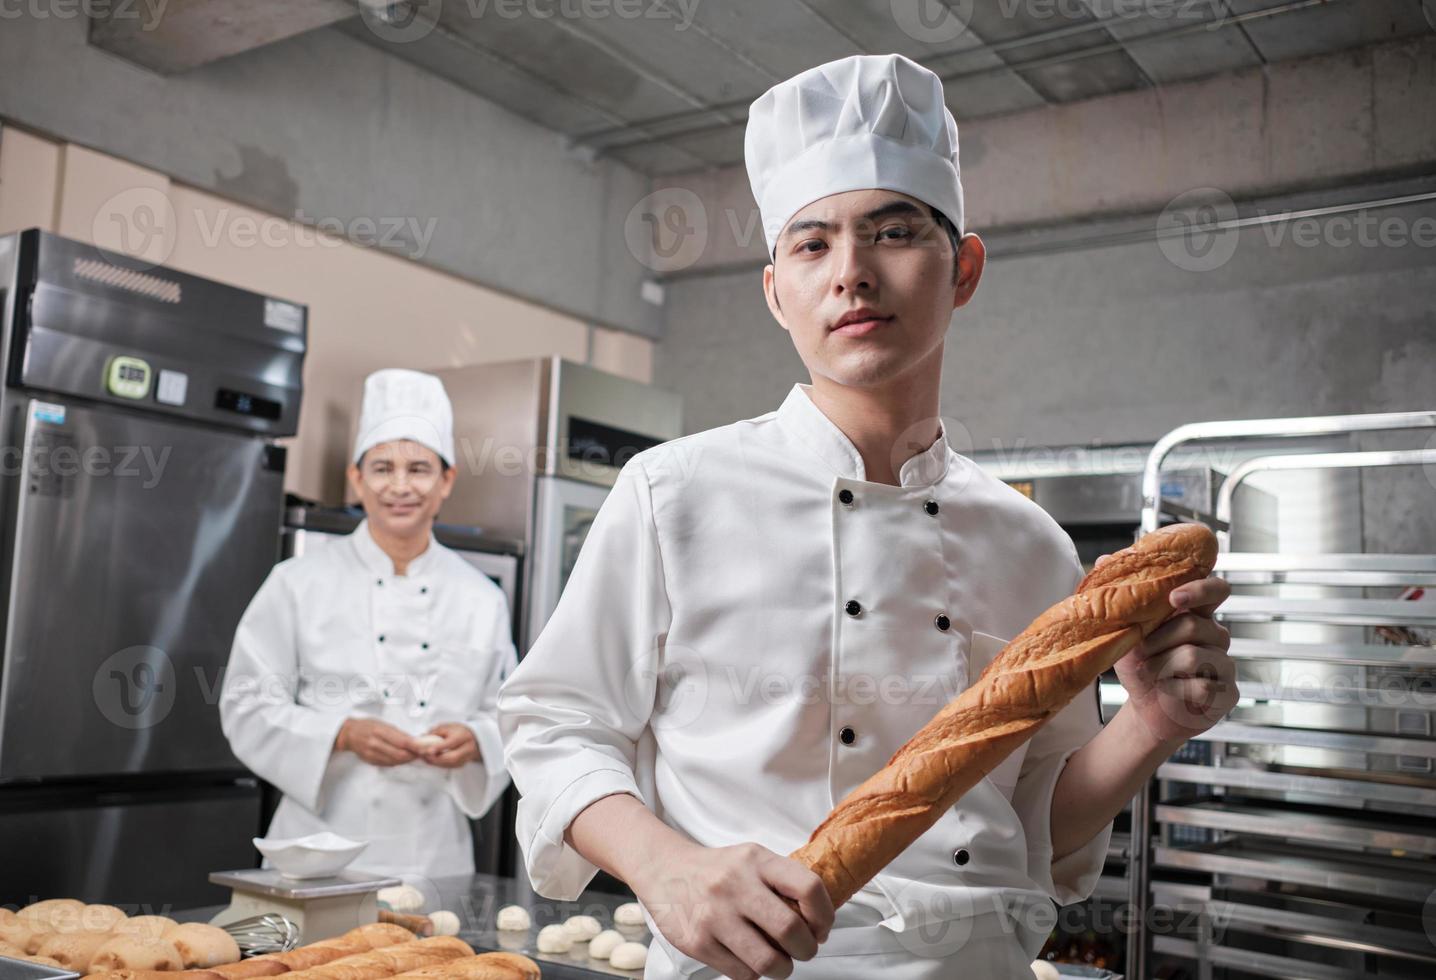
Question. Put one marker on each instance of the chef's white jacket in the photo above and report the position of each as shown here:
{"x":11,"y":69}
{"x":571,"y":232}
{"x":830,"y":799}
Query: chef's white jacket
{"x":335,"y":634}
{"x":752,"y":629}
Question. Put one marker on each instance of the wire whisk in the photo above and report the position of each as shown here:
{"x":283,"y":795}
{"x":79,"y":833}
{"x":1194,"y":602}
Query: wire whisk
{"x":268,"y":933}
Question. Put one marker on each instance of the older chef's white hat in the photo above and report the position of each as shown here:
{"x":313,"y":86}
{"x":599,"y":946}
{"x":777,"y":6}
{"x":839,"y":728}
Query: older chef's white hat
{"x":869,"y":121}
{"x":400,"y":404}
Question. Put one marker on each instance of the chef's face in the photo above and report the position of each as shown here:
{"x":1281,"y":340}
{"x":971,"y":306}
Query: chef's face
{"x":882,"y":256}
{"x":402,"y":485}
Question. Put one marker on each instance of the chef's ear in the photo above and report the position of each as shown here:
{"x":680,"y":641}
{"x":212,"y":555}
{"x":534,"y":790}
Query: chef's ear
{"x":971,"y":260}
{"x":447,"y":475}
{"x":770,"y":293}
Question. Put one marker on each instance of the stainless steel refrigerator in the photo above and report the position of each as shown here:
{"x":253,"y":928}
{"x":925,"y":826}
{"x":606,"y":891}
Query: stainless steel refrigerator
{"x":140,"y":502}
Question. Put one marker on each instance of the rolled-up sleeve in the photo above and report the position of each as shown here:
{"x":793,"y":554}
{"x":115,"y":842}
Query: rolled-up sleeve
{"x":1073,"y":877}
{"x":572,"y":713}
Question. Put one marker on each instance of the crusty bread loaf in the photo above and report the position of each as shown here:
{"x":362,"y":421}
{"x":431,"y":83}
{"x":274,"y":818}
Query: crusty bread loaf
{"x":308,"y":957}
{"x":202,"y":945}
{"x":146,"y":953}
{"x":1056,"y":658}
{"x":20,"y":933}
{"x":154,"y":974}
{"x":419,"y":925}
{"x":389,"y":961}
{"x":485,"y":966}
{"x":43,"y":916}
{"x":377,"y":935}
{"x":250,"y":969}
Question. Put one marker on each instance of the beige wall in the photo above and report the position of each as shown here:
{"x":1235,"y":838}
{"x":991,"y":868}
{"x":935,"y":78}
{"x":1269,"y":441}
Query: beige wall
{"x":367,"y":309}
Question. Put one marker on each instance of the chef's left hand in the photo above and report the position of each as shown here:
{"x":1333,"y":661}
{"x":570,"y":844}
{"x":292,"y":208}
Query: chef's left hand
{"x":1180,"y":680}
{"x":457,"y":748}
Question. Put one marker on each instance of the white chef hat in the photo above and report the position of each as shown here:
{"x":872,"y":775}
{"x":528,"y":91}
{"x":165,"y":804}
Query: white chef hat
{"x":400,"y":404}
{"x":869,"y":121}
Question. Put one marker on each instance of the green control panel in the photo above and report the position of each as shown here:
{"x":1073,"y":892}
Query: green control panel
{"x":128,"y":377}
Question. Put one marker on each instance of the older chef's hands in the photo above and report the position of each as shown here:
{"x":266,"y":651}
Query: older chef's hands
{"x":375,"y":742}
{"x":726,"y":907}
{"x":1180,"y":680}
{"x":456,"y":746}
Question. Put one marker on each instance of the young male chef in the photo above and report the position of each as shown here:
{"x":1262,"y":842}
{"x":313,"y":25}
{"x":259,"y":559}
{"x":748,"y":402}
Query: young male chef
{"x":364,"y":675}
{"x":764,"y":612}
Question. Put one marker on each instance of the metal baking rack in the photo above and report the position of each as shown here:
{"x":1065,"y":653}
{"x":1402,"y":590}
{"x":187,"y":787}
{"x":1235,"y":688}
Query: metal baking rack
{"x":1296,"y":849}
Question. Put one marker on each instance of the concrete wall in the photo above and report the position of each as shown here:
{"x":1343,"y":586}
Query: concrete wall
{"x":367,"y":309}
{"x":1122,"y":343}
{"x":322,"y":127}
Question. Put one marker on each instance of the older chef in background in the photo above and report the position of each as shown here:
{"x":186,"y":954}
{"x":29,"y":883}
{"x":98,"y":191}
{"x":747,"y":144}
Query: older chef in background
{"x":363,"y":676}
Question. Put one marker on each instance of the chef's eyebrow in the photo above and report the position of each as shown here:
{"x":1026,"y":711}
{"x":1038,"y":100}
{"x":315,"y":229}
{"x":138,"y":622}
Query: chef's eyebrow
{"x":888,"y":210}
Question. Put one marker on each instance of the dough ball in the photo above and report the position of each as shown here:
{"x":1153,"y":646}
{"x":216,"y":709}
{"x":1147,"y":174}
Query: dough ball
{"x":53,"y":915}
{"x":74,"y":950}
{"x":446,"y":923}
{"x":601,"y":947}
{"x":402,"y":898}
{"x":1042,"y":970}
{"x":629,"y":956}
{"x":428,"y":741}
{"x":202,"y":945}
{"x":144,"y":926}
{"x":628,"y":914}
{"x":136,"y":953}
{"x":513,"y":918}
{"x":581,"y":928}
{"x":554,"y":939}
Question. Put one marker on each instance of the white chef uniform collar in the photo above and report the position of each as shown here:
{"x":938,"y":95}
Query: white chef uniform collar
{"x":376,"y":561}
{"x":807,"y":423}
{"x":400,"y":404}
{"x":869,"y":121}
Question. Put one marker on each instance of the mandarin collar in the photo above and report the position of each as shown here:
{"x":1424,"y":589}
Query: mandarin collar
{"x":373,"y":557}
{"x":803,"y":419}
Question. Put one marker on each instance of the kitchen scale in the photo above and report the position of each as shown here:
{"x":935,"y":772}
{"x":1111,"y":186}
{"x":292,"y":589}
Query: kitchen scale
{"x":319,"y":907}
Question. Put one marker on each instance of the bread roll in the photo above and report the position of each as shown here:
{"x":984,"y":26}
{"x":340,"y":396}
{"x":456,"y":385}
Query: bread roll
{"x":1056,"y":658}
{"x":629,"y":956}
{"x":19,"y":933}
{"x":136,"y":953}
{"x":53,"y":914}
{"x":11,"y":950}
{"x":73,"y":949}
{"x":202,"y":945}
{"x":389,"y":960}
{"x":100,"y":918}
{"x":485,"y":966}
{"x":144,"y":926}
{"x":45,"y":961}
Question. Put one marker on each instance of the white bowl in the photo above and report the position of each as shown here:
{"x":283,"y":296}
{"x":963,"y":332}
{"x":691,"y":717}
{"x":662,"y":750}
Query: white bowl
{"x":315,"y":856}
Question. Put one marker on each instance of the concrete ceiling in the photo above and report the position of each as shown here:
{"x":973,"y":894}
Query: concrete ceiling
{"x":664,"y":85}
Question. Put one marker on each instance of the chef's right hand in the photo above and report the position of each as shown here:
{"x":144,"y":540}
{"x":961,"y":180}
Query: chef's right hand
{"x":375,"y":742}
{"x":726,"y":907}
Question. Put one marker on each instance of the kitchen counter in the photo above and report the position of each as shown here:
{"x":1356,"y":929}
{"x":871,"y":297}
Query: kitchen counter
{"x":477,"y":898}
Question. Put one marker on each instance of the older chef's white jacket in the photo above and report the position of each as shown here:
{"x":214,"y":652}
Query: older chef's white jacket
{"x":752,"y":629}
{"x":336,"y":634}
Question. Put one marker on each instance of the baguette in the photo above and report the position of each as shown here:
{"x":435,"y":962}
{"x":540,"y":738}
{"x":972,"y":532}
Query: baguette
{"x":485,"y":966}
{"x":1056,"y":658}
{"x":389,"y":961}
{"x":375,"y":935}
{"x":250,"y":969}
